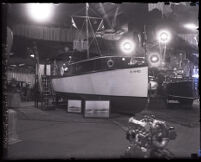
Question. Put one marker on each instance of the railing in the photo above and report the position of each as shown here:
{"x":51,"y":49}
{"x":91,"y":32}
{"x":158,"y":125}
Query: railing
{"x":104,"y":63}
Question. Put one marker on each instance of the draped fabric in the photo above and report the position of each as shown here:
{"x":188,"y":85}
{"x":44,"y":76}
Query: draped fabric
{"x":26,"y":77}
{"x":170,"y":7}
{"x":190,"y":38}
{"x":9,"y":39}
{"x":158,"y":6}
{"x":165,"y":9}
{"x":48,"y":33}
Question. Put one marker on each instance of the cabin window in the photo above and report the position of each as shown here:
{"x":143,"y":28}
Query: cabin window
{"x":84,"y":67}
{"x":97,"y":65}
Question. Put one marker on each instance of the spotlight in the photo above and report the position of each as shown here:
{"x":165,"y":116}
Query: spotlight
{"x":195,"y":73}
{"x":21,"y":64}
{"x":164,"y":36}
{"x":190,"y":26}
{"x":40,"y":12}
{"x":32,"y":55}
{"x":127,"y":46}
{"x":13,"y":65}
{"x":66,"y":69}
{"x":154,"y":59}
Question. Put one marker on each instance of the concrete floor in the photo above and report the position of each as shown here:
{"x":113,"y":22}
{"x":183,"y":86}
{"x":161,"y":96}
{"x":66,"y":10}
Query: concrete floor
{"x":56,"y":134}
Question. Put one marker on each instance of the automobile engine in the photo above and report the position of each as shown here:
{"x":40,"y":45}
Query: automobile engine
{"x":150,"y":137}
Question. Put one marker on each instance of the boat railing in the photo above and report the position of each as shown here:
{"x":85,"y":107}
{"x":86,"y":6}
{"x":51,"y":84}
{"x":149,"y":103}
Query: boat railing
{"x":102,"y":57}
{"x":103,"y":63}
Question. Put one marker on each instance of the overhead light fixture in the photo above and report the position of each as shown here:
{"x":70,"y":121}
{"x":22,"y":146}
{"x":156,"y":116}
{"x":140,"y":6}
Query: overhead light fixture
{"x":127,"y":46}
{"x":195,"y":75}
{"x":13,"y":65}
{"x":196,"y":54}
{"x":32,"y":55}
{"x":66,"y":49}
{"x":154,"y":59}
{"x":191,"y":26}
{"x":164,"y":36}
{"x":66,"y":69}
{"x":40,"y":12}
{"x":21,"y":64}
{"x":163,"y":63}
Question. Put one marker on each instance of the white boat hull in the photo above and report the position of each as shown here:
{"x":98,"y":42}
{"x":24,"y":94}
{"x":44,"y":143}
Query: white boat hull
{"x":131,"y":82}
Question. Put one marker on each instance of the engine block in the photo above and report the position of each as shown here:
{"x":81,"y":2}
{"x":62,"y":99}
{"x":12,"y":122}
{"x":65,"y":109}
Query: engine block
{"x":149,"y":134}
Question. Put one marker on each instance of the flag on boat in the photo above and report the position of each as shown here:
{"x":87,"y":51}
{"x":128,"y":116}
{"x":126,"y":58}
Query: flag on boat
{"x":94,"y":23}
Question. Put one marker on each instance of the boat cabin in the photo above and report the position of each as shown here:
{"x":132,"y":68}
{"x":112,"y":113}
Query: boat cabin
{"x":104,"y":63}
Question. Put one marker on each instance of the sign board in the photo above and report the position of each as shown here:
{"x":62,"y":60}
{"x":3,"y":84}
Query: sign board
{"x":80,"y":45}
{"x":74,"y":106}
{"x":42,"y":69}
{"x":99,"y":109}
{"x":48,"y":70}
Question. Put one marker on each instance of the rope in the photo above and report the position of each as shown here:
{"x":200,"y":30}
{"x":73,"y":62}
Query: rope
{"x":99,"y":51}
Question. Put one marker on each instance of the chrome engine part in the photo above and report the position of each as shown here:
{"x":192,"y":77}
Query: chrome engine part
{"x":149,"y":134}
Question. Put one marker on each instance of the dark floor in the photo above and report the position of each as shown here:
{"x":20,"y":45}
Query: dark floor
{"x":58,"y":134}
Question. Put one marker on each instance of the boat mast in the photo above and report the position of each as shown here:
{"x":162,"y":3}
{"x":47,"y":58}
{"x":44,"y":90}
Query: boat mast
{"x":87,"y":32}
{"x":145,"y":41}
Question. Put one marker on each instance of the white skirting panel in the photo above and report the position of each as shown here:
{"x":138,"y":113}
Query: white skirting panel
{"x":131,"y":82}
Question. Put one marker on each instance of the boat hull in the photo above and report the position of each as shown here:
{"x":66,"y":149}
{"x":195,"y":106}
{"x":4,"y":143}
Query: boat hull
{"x":126,"y":89}
{"x":118,"y":104}
{"x":184,"y":89}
